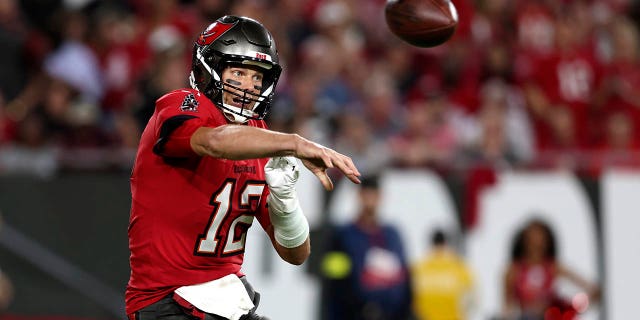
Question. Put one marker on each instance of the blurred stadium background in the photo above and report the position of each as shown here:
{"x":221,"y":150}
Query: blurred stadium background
{"x":532,"y":109}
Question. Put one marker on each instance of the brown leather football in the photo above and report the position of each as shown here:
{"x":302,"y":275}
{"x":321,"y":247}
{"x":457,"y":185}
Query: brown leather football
{"x":422,"y":23}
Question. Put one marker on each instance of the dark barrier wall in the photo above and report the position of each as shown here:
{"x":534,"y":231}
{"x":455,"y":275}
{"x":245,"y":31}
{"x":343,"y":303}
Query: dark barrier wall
{"x":80,"y":217}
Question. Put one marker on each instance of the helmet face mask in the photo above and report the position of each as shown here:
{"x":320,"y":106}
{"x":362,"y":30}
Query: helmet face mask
{"x":239,"y":42}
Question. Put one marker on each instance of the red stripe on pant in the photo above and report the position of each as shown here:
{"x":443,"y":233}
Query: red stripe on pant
{"x":189,"y":308}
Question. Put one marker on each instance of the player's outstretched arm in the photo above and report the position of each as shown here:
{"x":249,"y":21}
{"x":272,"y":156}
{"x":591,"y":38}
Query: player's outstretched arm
{"x":238,"y":142}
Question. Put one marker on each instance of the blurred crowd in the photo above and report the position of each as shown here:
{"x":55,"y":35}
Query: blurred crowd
{"x":523,"y":83}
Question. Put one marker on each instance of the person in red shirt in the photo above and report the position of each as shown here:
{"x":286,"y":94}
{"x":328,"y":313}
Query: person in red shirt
{"x":202,"y":174}
{"x":618,"y":92}
{"x":529,"y":283}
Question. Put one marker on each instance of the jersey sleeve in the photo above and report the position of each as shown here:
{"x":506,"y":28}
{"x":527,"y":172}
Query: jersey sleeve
{"x":262,"y":213}
{"x":177,"y":119}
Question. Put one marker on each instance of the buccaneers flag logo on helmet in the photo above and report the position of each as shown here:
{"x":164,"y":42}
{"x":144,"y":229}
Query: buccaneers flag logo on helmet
{"x":213,"y":32}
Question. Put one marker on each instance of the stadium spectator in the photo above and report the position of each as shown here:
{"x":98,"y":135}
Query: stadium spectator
{"x":203,"y":162}
{"x":566,"y":78}
{"x":530,"y":291}
{"x":335,"y":31}
{"x":380,"y":105}
{"x":120,"y":57}
{"x":429,"y":137}
{"x":502,"y":113}
{"x":30,"y":154}
{"x":296,"y":109}
{"x":620,"y":148}
{"x":563,"y":147}
{"x":366,"y":267}
{"x":618,"y":92}
{"x":491,"y":145}
{"x":620,"y":135}
{"x":164,"y":76}
{"x":443,"y":284}
{"x":354,"y":137}
{"x":13,"y":38}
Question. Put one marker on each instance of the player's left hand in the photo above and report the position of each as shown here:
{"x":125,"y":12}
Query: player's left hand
{"x":281,"y":174}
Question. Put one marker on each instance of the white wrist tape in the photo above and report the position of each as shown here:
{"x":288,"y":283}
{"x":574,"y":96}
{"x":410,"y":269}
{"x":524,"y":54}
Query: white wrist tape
{"x":284,"y":204}
{"x":290,"y":228}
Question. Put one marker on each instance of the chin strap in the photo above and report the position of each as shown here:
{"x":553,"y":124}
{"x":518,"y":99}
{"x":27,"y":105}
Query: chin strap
{"x":233,"y":114}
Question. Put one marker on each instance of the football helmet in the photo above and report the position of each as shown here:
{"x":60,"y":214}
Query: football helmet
{"x":240,"y":41}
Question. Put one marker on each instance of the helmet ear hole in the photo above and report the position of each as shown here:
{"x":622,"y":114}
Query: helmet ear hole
{"x":199,"y":74}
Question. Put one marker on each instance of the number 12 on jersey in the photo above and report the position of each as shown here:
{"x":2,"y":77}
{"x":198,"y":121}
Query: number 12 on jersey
{"x":218,"y":240}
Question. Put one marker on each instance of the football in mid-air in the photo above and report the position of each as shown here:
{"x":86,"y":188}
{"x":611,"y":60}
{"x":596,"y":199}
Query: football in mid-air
{"x":422,"y":23}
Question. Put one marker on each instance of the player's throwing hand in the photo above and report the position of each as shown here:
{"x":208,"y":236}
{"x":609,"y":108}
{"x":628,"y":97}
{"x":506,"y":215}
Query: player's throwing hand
{"x":318,"y":158}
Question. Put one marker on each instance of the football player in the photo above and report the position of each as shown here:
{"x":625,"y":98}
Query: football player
{"x":205,"y":168}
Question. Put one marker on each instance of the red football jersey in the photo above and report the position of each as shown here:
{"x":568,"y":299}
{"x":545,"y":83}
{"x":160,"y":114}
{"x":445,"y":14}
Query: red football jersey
{"x":189,"y":214}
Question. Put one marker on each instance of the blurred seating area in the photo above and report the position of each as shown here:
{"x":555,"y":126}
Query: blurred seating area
{"x":522,"y":84}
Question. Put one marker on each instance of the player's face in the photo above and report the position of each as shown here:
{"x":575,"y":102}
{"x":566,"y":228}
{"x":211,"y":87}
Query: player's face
{"x":246,"y":80}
